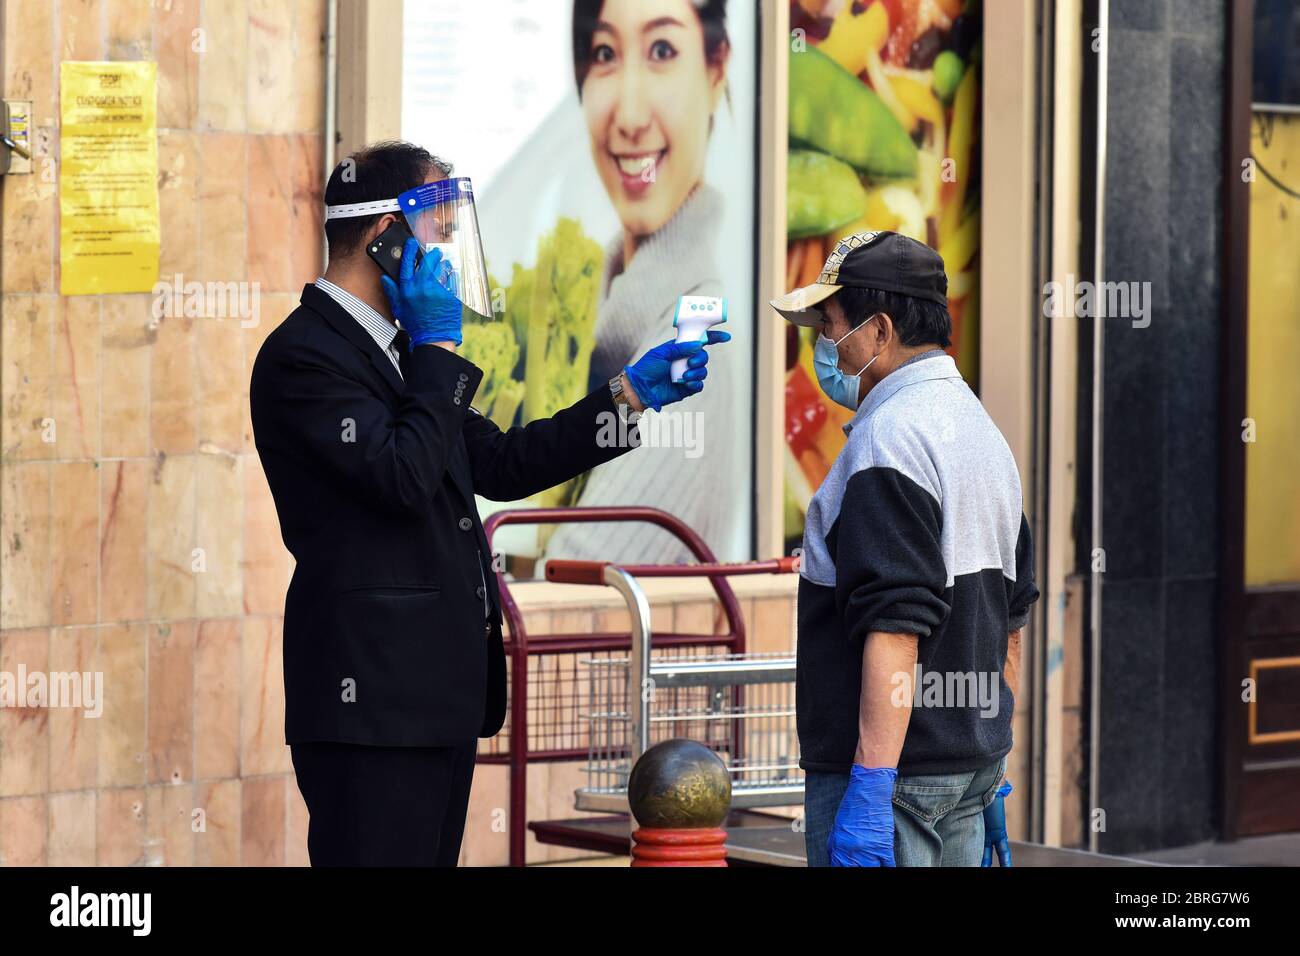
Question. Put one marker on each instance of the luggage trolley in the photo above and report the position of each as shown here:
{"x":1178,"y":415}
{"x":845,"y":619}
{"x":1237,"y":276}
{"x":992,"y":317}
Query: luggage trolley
{"x":610,"y":696}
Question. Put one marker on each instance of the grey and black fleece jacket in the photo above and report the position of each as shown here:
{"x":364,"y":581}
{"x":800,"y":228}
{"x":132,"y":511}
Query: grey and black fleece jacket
{"x":919,"y":529}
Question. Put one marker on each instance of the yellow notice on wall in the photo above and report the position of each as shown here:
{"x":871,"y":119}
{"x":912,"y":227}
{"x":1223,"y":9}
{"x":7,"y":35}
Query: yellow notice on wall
{"x":108,"y":179}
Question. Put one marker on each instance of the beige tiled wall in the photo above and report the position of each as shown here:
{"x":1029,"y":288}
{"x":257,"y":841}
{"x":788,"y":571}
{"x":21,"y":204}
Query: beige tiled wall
{"x":153,"y":453}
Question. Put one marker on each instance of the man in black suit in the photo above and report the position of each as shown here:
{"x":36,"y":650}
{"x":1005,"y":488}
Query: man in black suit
{"x":393,"y":659}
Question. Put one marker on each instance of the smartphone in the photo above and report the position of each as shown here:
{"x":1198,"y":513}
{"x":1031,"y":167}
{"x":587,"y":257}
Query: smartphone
{"x":386,"y":249}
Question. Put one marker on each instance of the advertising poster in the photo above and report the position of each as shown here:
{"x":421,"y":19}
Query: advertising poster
{"x":108,"y":181}
{"x":884,"y":135}
{"x":611,"y":147}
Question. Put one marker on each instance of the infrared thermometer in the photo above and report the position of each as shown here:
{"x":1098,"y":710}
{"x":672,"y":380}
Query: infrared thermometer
{"x":696,"y":314}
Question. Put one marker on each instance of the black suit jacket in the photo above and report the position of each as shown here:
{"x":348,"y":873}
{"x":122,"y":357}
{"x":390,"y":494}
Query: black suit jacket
{"x":385,"y":641}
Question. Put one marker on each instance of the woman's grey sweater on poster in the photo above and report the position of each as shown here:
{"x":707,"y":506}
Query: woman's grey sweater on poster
{"x":636,"y":314}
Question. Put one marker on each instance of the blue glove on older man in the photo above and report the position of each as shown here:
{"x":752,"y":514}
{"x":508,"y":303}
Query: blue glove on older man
{"x":995,"y":828}
{"x":863,"y":833}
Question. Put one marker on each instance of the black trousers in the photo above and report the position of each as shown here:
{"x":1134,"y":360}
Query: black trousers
{"x":384,"y":806}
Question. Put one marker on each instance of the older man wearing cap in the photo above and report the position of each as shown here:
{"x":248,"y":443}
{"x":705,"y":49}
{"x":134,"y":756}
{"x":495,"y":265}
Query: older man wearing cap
{"x":916,"y":578}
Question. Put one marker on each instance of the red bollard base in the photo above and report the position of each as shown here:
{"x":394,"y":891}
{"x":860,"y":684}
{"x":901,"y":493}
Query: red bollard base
{"x":695,"y":847}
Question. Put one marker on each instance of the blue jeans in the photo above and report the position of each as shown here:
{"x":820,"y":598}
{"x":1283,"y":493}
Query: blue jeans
{"x":938,"y":818}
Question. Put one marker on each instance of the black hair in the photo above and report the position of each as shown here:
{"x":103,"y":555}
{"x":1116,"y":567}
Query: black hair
{"x":375,"y":172}
{"x":917,"y":321}
{"x":586,"y":13}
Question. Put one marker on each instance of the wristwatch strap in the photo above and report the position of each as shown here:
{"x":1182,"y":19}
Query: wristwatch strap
{"x":617,"y":392}
{"x":622,"y":401}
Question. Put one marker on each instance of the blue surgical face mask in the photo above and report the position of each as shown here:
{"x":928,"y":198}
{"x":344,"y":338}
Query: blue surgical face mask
{"x":840,"y":388}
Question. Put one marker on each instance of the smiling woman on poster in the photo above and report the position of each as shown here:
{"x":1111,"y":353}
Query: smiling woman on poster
{"x":650,"y":75}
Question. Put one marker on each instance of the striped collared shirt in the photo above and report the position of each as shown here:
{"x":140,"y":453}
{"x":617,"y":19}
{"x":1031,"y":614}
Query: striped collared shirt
{"x":380,"y":329}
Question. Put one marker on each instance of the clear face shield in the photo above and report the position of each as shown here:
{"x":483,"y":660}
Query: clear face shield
{"x":441,"y":216}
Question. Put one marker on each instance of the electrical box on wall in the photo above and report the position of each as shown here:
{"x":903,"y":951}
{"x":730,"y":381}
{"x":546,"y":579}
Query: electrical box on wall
{"x":16,"y":138}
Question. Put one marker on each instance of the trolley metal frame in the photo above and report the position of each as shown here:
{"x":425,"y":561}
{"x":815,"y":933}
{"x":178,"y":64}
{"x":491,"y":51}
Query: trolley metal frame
{"x":557,"y":741}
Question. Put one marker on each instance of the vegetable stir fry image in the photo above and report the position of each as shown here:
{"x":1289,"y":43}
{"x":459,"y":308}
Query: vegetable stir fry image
{"x":535,"y":360}
{"x":883,"y":119}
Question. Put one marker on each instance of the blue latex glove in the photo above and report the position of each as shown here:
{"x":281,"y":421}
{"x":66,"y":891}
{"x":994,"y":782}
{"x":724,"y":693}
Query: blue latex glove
{"x":863,"y":834}
{"x":651,"y":376}
{"x":420,"y":301}
{"x":995,"y":828}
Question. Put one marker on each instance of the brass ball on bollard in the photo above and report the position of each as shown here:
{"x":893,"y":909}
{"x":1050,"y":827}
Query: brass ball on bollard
{"x":679,"y":784}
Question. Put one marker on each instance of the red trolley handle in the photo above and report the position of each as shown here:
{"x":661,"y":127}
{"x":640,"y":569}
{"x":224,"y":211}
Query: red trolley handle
{"x":566,"y":571}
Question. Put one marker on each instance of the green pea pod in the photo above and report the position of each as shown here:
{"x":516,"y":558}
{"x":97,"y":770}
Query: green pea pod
{"x":948,"y":69}
{"x":822,"y":194}
{"x":834,"y":111}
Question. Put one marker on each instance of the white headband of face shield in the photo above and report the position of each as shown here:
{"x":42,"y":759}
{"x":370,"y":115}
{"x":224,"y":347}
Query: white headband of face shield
{"x":350,"y":210}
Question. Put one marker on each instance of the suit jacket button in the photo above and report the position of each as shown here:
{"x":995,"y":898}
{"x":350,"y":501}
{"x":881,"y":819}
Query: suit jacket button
{"x":465,"y":524}
{"x":456,"y":400}
{"x":480,"y":592}
{"x":463,"y":377}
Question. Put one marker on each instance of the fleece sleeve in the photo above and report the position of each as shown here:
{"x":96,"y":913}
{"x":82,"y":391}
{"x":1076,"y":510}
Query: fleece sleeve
{"x":889,"y":569}
{"x":1022,"y":592}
